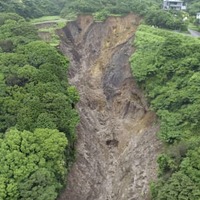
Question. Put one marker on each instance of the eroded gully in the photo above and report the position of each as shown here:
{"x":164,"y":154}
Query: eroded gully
{"x":117,"y":145}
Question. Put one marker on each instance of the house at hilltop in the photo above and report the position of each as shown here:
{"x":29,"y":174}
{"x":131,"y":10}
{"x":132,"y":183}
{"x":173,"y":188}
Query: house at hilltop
{"x":198,"y":16}
{"x":174,"y":5}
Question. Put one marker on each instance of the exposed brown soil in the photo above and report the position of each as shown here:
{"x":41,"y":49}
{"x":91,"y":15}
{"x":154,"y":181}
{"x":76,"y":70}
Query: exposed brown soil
{"x":117,"y":145}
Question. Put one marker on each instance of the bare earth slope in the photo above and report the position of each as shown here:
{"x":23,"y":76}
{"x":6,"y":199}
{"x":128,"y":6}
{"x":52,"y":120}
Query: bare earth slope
{"x":117,"y":145}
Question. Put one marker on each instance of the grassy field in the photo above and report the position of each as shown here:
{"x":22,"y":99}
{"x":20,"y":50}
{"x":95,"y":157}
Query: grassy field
{"x":194,"y":27}
{"x":57,"y":23}
{"x":47,"y":19}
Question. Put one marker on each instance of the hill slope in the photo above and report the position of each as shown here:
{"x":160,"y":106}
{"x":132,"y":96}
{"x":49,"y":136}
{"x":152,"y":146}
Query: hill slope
{"x":117,"y":145}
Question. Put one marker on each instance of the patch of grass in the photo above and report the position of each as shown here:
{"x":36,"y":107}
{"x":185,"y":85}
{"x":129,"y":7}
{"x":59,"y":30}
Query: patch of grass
{"x":194,"y":27}
{"x":46,"y":18}
{"x":57,"y":23}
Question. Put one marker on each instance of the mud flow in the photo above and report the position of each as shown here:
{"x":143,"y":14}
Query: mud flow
{"x":117,"y":145}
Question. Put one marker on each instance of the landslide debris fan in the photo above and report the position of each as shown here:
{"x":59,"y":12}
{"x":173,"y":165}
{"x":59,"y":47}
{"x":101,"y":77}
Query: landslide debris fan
{"x":117,"y":145}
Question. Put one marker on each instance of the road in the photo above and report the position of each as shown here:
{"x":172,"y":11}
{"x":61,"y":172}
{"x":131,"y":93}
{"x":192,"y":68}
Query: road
{"x":50,"y":21}
{"x":194,"y":33}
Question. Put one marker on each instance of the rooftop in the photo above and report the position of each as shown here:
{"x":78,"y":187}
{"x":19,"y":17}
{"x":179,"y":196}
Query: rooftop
{"x":174,"y":1}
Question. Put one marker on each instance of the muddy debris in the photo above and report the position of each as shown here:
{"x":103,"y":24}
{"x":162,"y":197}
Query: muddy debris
{"x":117,"y":145}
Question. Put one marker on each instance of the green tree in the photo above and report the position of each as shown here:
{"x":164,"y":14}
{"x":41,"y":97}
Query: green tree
{"x":34,"y":93}
{"x":166,"y":66}
{"x":32,"y":164}
{"x":164,"y":19}
{"x":184,"y":184}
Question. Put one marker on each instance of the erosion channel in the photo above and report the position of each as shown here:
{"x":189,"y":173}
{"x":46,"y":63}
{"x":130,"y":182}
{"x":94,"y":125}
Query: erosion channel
{"x":117,"y":145}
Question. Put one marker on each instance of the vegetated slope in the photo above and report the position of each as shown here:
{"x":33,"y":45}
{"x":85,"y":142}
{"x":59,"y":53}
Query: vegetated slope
{"x":37,"y":115}
{"x":33,"y":8}
{"x":117,"y":145}
{"x":167,"y":65}
{"x":193,"y":6}
{"x":102,"y":8}
{"x":38,"y":8}
{"x":150,"y":9}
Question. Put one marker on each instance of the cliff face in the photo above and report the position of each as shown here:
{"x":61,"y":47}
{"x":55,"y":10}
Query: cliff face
{"x":117,"y":145}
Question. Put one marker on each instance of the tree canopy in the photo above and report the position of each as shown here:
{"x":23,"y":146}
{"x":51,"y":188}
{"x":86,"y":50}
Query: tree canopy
{"x":109,"y":6}
{"x":166,"y":65}
{"x":37,"y":115}
{"x":32,"y":164}
{"x":168,"y":20}
{"x":32,"y":8}
{"x":38,"y":8}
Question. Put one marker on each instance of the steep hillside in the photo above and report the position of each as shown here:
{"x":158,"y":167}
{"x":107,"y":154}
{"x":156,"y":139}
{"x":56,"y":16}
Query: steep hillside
{"x":33,"y":8}
{"x":37,"y":115}
{"x":117,"y":145}
{"x":102,"y":8}
{"x":166,"y":65}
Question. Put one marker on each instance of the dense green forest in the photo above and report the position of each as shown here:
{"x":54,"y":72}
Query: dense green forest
{"x":166,"y":65}
{"x":38,"y":8}
{"x":103,"y":7}
{"x":151,"y":9}
{"x":32,"y":8}
{"x":193,"y":6}
{"x":37,"y":115}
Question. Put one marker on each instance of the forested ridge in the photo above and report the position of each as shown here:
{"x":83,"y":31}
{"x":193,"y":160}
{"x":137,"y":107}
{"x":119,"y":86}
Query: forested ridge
{"x":32,"y":8}
{"x":37,"y":115}
{"x":100,"y":8}
{"x":166,"y":65}
{"x":37,"y":8}
{"x":193,"y":6}
{"x":37,"y":104}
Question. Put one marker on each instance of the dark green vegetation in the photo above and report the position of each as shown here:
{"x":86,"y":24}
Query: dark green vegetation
{"x":37,"y":116}
{"x":32,"y":164}
{"x":151,"y":9}
{"x":193,"y":9}
{"x":32,"y":8}
{"x":167,"y":20}
{"x":101,"y":8}
{"x":167,"y":66}
{"x":193,"y":6}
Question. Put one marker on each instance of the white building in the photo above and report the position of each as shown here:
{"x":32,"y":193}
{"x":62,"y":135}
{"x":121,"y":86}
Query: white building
{"x":174,"y":5}
{"x":198,"y":15}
